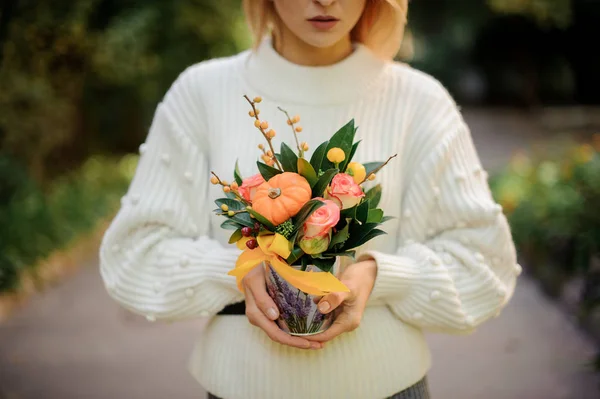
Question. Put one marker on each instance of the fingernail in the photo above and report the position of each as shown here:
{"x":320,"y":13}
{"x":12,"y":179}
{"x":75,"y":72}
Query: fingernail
{"x":272,"y":313}
{"x":315,"y":345}
{"x":324,"y":307}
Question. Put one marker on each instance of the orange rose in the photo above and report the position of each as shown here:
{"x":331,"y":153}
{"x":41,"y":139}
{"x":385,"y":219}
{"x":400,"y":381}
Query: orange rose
{"x":344,"y":191}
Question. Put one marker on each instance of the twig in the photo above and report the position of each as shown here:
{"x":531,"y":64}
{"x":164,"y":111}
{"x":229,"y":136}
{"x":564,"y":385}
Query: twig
{"x":378,"y":168}
{"x":263,"y":132}
{"x":300,"y":151}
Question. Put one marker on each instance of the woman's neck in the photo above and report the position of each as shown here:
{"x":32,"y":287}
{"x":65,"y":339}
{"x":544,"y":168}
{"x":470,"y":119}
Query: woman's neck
{"x":297,"y":51}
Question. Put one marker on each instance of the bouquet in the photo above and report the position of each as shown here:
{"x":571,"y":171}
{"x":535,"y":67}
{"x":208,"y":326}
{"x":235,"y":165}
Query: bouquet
{"x":298,"y":216}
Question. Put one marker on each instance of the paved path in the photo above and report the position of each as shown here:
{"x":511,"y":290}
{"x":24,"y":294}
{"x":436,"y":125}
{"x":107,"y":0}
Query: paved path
{"x":73,"y":342}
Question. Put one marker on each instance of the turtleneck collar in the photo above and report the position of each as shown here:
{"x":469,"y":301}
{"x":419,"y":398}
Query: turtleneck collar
{"x":268,"y":73}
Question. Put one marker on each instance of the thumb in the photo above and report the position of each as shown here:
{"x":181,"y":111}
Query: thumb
{"x":332,"y":301}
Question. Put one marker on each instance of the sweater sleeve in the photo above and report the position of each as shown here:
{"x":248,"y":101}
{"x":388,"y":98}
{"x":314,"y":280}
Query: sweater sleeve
{"x":157,"y":258}
{"x":456,"y":263}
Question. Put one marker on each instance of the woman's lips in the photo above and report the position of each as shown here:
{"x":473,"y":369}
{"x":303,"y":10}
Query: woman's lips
{"x":323,"y":22}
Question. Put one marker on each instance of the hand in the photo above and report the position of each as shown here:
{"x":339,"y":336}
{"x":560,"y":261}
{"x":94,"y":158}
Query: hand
{"x":261,"y":311}
{"x":359,"y":278}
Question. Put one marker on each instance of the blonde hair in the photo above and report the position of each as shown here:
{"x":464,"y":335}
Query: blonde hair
{"x":380,"y":27}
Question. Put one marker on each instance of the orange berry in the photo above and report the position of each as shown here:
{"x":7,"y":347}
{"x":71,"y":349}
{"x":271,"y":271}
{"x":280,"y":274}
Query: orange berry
{"x":214,"y":180}
{"x":224,"y":182}
{"x":271,"y":162}
{"x":251,"y":113}
{"x":257,"y":123}
{"x":298,"y":129}
{"x":270,"y":153}
{"x":296,"y":118}
{"x":265,"y":159}
{"x":261,"y":147}
{"x":271,"y":133}
{"x":289,"y":121}
{"x":257,"y":111}
{"x":304,"y":146}
{"x":264,"y":125}
{"x":257,"y":99}
{"x":371,"y":176}
{"x":234,"y":186}
{"x":226,"y":189}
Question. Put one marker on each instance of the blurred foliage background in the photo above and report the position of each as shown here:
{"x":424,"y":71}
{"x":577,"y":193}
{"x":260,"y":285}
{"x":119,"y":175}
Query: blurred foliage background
{"x":79,"y":82}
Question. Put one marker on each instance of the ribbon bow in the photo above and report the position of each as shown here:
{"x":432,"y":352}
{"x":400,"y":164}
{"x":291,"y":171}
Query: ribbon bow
{"x":273,"y":248}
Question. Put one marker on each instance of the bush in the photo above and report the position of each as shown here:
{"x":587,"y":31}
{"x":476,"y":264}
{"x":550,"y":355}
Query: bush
{"x":36,"y":223}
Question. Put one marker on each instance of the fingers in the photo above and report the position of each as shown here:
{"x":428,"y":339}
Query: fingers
{"x":255,"y":283}
{"x":332,"y":301}
{"x":257,"y":318}
{"x":344,"y":323}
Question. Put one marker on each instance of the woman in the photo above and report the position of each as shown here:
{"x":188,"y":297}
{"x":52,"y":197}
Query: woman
{"x":447,"y":264}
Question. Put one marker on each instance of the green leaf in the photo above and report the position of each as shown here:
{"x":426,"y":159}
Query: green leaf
{"x":351,"y":254}
{"x":262,"y":220}
{"x":317,"y":157}
{"x":325,"y":264}
{"x":289,"y":160}
{"x":306,"y":170}
{"x":235,"y":236}
{"x":230,"y":225}
{"x":362,"y":212}
{"x":237,"y":175}
{"x":357,"y":234}
{"x":340,"y":237}
{"x":342,"y":139}
{"x":305,"y":262}
{"x":243,"y":218}
{"x":375,"y":216}
{"x":267,"y":171}
{"x":231,"y":195}
{"x":348,"y":213}
{"x":371,"y":166}
{"x":386,"y":218}
{"x":374,"y":195}
{"x":353,"y":151}
{"x":323,"y":182}
{"x":305,"y":212}
{"x":294,"y":255}
{"x":234,"y":205}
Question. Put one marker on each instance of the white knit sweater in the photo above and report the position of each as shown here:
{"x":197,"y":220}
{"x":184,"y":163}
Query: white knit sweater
{"x":447,"y":264}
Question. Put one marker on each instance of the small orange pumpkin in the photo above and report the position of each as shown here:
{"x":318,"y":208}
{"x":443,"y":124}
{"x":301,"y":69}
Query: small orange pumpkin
{"x":281,"y":197}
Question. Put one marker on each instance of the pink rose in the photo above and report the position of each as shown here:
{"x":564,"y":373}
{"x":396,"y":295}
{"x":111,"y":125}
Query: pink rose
{"x":316,"y":232}
{"x":249,"y":185}
{"x":344,"y":191}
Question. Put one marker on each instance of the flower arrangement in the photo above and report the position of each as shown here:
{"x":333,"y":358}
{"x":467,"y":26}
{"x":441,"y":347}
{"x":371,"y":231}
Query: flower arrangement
{"x":298,"y":215}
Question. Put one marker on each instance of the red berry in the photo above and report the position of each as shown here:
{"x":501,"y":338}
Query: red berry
{"x":251,"y":243}
{"x":256,"y":227}
{"x":246,"y":231}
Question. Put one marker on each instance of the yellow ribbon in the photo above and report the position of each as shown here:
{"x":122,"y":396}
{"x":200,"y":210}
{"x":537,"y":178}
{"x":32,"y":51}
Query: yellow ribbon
{"x":272,"y":248}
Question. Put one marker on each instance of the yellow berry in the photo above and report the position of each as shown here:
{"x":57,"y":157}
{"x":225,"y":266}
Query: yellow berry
{"x":357,"y":171}
{"x":251,"y":113}
{"x":371,"y":176}
{"x":224,"y":208}
{"x":224,"y":182}
{"x":270,"y":153}
{"x":265,"y":159}
{"x":264,"y":125}
{"x":271,"y":133}
{"x":257,"y":99}
{"x":257,"y":111}
{"x":231,"y":213}
{"x":226,"y":189}
{"x":296,"y":118}
{"x":304,"y":146}
{"x":289,"y":121}
{"x":336,"y":155}
{"x":261,"y":147}
{"x":214,"y":180}
{"x":257,"y":123}
{"x":234,"y":186}
{"x":298,"y":129}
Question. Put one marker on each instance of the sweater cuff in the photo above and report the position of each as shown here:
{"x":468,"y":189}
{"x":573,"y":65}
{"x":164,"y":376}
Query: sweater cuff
{"x":395,"y":274}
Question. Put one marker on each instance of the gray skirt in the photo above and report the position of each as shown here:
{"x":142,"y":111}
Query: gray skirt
{"x":418,"y":391}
